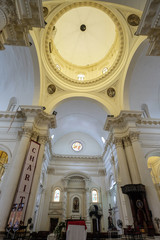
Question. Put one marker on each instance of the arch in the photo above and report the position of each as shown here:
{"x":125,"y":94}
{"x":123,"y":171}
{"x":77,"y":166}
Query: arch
{"x":3,"y":161}
{"x":7,"y":150}
{"x":77,"y":174}
{"x":153,"y":163}
{"x":109,"y":107}
{"x":152,"y":153}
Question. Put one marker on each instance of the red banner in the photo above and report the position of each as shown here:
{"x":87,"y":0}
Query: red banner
{"x":22,"y":196}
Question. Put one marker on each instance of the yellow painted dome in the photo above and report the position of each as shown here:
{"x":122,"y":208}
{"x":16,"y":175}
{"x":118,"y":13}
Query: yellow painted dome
{"x":84,"y":43}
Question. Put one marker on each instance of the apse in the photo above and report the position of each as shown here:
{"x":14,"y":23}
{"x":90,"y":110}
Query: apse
{"x":81,"y":120}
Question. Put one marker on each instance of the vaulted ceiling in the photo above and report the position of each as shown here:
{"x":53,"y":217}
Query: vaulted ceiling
{"x":47,"y":72}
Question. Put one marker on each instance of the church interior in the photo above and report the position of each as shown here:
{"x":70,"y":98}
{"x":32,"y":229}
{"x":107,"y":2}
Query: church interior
{"x":80,"y":115}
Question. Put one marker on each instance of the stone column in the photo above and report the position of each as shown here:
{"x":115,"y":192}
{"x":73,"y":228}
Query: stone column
{"x":36,"y":178}
{"x":134,"y":172}
{"x":124,"y":179}
{"x":40,"y":211}
{"x":145,"y":174}
{"x":12,"y":178}
{"x":122,"y":162}
{"x":87,"y":205}
{"x":112,"y":161}
{"x":64,"y":214}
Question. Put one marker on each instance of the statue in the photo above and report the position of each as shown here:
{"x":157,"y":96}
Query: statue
{"x":110,"y":220}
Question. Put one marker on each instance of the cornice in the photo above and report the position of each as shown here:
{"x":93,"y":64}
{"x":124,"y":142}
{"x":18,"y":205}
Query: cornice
{"x":48,"y":118}
{"x":40,"y":115}
{"x":17,"y":18}
{"x":149,"y":26}
{"x":12,"y":115}
{"x":77,"y":157}
{"x":148,"y":122}
{"x":121,"y":120}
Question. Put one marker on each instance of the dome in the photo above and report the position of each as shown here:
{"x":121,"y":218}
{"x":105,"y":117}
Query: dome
{"x":84,"y":43}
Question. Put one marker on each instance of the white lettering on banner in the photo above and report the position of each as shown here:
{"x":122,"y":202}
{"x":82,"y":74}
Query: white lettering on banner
{"x":25,"y":183}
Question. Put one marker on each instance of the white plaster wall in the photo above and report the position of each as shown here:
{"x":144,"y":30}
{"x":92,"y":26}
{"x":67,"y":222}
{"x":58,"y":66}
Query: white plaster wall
{"x":64,"y":145}
{"x":55,"y":180}
{"x":144,"y":84}
{"x":150,"y":143}
{"x":17,"y":76}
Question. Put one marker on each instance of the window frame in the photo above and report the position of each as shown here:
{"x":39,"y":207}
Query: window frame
{"x":55,"y":193}
{"x":97,"y":195}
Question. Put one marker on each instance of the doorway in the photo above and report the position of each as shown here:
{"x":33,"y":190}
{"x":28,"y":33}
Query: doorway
{"x":53,"y":224}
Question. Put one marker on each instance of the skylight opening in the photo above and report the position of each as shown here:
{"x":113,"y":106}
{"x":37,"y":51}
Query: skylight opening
{"x":52,"y":136}
{"x":58,"y":67}
{"x":81,"y":77}
{"x":103,"y":140}
{"x":105,"y":70}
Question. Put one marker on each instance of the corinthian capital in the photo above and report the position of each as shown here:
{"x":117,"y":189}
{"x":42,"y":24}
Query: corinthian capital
{"x":127,"y":141}
{"x":134,"y":136}
{"x":43,"y":139}
{"x":118,"y":142}
{"x":27,"y":131}
{"x":34,"y":136}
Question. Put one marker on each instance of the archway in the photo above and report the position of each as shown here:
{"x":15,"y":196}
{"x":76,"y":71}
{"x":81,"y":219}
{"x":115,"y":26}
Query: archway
{"x":3,"y":161}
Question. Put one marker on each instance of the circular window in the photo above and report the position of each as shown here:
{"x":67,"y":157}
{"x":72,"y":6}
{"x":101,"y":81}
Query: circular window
{"x":77,"y":146}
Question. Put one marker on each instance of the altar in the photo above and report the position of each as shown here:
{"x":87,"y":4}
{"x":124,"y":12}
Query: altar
{"x":76,"y":230}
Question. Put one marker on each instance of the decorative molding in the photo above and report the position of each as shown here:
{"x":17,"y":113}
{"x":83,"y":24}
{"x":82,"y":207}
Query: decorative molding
{"x":111,"y":92}
{"x":126,"y":141}
{"x":43,"y":139}
{"x":17,"y":18}
{"x":40,"y":115}
{"x":118,"y":142}
{"x":149,"y":122}
{"x":121,"y":120}
{"x":77,"y":157}
{"x":150,"y":26}
{"x":12,"y":115}
{"x":48,"y":42}
{"x":27,"y":131}
{"x":134,"y":136}
{"x":49,"y":119}
{"x":34,"y":135}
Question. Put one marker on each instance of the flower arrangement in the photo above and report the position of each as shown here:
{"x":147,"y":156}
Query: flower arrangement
{"x":58,"y":230}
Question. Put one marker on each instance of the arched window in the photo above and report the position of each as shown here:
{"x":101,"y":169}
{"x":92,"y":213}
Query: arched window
{"x":56,"y":195}
{"x":154,"y":165}
{"x":94,"y":196}
{"x":3,"y":161}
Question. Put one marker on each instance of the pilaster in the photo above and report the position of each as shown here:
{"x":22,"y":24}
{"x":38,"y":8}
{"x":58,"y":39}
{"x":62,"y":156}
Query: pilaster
{"x":13,"y":175}
{"x":133,"y":169}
